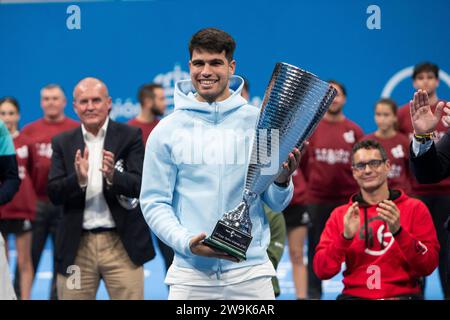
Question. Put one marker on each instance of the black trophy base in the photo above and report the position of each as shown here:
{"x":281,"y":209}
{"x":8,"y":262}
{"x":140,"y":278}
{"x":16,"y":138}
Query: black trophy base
{"x":230,"y":240}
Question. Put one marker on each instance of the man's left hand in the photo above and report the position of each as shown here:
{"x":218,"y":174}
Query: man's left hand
{"x":389,"y":212}
{"x":289,"y":167}
{"x":108,"y":166}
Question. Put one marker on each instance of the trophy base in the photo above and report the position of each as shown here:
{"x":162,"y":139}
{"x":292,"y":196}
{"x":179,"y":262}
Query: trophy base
{"x":230,"y":240}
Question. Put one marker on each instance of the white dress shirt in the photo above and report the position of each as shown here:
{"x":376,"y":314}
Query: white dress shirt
{"x":96,"y":211}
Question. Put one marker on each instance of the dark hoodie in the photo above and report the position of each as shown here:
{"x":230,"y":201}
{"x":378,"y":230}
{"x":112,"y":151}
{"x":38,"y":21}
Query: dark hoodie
{"x":379,"y":265}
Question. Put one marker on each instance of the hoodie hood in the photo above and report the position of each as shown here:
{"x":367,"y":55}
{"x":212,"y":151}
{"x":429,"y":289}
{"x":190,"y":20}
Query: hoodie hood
{"x":394,"y":195}
{"x":184,"y":99}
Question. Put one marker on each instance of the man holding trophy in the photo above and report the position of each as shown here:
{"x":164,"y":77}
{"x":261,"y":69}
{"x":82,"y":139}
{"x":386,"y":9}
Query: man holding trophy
{"x":207,"y":171}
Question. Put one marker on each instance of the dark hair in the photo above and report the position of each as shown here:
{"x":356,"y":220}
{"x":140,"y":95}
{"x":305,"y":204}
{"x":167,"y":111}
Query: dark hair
{"x":213,"y":40}
{"x":340,"y":85}
{"x":11,"y":100}
{"x":388,"y":101}
{"x":425,"y":67}
{"x":147,"y":91}
{"x":369,"y":145}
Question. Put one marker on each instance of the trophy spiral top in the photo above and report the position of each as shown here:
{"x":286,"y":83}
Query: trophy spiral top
{"x":294,"y":102}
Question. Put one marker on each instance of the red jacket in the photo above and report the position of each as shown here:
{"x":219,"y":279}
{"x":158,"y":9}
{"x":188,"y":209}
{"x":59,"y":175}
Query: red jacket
{"x":379,"y":265}
{"x":23,"y":205}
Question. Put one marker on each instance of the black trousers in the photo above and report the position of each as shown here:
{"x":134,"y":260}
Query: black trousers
{"x":45,"y":224}
{"x":319,"y":214}
{"x":439,"y":207}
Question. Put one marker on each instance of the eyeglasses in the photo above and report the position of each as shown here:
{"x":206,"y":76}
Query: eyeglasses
{"x":373,"y":164}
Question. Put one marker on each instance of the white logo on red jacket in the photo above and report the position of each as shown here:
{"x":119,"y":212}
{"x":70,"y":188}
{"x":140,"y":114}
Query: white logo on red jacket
{"x":397,"y":152}
{"x":384,"y":237}
{"x":22,"y":152}
{"x":44,"y":150}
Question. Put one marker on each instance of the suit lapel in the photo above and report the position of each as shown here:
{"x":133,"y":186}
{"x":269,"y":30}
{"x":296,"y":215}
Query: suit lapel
{"x":110,"y":137}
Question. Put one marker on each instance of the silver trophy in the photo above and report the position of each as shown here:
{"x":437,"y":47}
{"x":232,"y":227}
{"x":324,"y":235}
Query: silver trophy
{"x":294,"y":103}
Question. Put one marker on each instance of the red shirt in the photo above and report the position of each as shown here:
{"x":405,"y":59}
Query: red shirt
{"x":145,"y":127}
{"x":40,"y":134}
{"x":379,"y":265}
{"x":405,"y":126}
{"x":327,"y":162}
{"x":23,"y":205}
{"x":397,"y":150}
{"x":299,"y":182}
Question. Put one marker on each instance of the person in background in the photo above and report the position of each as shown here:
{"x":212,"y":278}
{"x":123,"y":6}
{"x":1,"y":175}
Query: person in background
{"x":395,"y":143}
{"x":297,"y":222}
{"x":326,"y":165}
{"x":435,"y":195}
{"x":153,"y":106}
{"x":40,"y":133}
{"x":16,"y":216}
{"x":9,"y":184}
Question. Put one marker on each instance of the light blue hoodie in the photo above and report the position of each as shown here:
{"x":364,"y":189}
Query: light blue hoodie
{"x":194,"y":170}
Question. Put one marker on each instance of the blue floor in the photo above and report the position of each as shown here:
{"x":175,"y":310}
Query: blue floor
{"x":156,"y":289}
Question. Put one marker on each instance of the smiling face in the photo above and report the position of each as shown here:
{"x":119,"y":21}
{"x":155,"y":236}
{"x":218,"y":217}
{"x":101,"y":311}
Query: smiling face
{"x":210,"y":73}
{"x":92,"y":103}
{"x":370,"y":170}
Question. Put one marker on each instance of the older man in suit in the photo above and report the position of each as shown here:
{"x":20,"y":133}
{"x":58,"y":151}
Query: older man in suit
{"x":100,"y":237}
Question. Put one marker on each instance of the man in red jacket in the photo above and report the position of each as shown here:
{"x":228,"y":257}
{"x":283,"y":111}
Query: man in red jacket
{"x":386,"y":239}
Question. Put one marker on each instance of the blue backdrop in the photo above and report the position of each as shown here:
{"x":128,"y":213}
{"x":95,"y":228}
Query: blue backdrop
{"x":127,"y":43}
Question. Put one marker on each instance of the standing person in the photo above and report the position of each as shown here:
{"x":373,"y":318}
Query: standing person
{"x":297,"y":221}
{"x":9,"y":184}
{"x":395,"y":143}
{"x":92,"y":166}
{"x":429,"y":160}
{"x":184,"y":194}
{"x":326,"y":165}
{"x":386,"y":239}
{"x":153,"y":105}
{"x":16,"y":216}
{"x":437,"y":195}
{"x":40,"y":133}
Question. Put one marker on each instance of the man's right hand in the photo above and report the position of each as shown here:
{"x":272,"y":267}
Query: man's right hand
{"x":351,"y":221}
{"x":82,"y":166}
{"x":200,"y":249}
{"x":422,"y":117}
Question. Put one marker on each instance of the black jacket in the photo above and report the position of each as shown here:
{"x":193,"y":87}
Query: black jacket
{"x":63,"y":189}
{"x":434,"y":165}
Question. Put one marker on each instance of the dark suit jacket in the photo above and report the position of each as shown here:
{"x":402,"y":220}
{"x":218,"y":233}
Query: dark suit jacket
{"x":63,"y":189}
{"x":434,"y":165}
